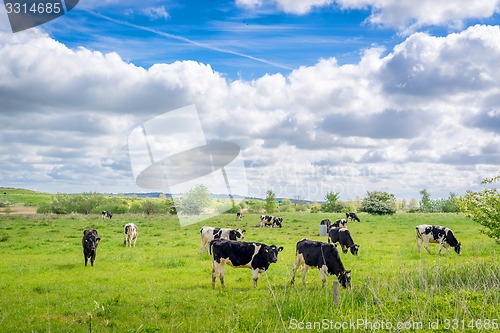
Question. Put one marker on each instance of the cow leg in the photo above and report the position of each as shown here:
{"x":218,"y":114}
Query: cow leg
{"x":135,"y":240}
{"x":426,"y":245}
{"x":221,"y":275}
{"x":214,"y":274}
{"x":92,"y":259}
{"x":255,"y":277}
{"x":322,"y":274}
{"x":440,"y":247}
{"x":86,"y":259}
{"x":202,"y":246}
{"x":218,"y":269}
{"x":419,"y":243}
{"x":304,"y":272}
{"x":294,"y":270}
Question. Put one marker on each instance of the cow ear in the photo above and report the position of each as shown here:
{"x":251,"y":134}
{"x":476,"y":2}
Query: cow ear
{"x":243,"y":230}
{"x":98,"y":238}
{"x":347,"y":272}
{"x":280,"y":248}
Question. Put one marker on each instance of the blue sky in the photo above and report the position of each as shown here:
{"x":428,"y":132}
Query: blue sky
{"x":233,"y":40}
{"x":346,"y":96}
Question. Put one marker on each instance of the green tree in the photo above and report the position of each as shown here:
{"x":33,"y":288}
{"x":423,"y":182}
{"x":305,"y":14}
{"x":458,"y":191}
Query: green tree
{"x":426,"y":202}
{"x":286,"y":206}
{"x":195,"y":200}
{"x":379,"y":203}
{"x":270,"y":205}
{"x":483,"y":207}
{"x":332,"y":204}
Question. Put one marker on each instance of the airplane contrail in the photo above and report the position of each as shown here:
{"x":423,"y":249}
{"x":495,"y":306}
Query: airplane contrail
{"x":189,"y":41}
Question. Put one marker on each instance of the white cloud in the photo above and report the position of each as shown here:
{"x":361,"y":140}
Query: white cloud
{"x":399,"y":122}
{"x":404,"y":15}
{"x":155,"y":13}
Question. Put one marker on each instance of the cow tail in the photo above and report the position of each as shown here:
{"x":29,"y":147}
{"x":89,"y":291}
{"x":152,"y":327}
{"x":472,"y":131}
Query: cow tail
{"x":210,"y":246}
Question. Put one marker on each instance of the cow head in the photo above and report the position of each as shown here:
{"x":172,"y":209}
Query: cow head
{"x":239,"y":233}
{"x":272,"y":253}
{"x":354,"y":249}
{"x":458,"y":248}
{"x":344,"y":278}
{"x":90,"y":239}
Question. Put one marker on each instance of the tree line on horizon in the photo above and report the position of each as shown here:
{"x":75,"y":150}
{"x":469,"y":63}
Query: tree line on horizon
{"x":482,"y":207}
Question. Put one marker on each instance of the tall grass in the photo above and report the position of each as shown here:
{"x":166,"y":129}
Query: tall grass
{"x":163,"y":285}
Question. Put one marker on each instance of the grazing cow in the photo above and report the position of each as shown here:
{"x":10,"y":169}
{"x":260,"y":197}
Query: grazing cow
{"x":130,"y":234}
{"x":208,"y":234}
{"x":436,"y":234}
{"x":343,"y":237}
{"x":323,"y":256}
{"x":352,"y":216}
{"x":340,"y":224}
{"x":90,"y":241}
{"x":270,"y":221}
{"x":256,"y":256}
{"x":326,"y":222}
{"x":107,"y":214}
{"x":239,"y":216}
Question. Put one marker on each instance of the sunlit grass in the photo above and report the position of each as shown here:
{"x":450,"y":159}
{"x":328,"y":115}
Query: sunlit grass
{"x":164,"y":285}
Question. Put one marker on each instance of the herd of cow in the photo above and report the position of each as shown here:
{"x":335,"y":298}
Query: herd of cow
{"x":226,"y":247}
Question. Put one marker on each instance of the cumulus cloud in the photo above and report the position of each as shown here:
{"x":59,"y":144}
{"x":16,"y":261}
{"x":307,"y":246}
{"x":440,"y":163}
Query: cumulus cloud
{"x":404,"y":15}
{"x":398,"y":121}
{"x":155,"y":13}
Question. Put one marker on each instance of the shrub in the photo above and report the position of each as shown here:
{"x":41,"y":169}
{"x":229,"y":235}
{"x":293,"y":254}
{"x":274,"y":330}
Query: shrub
{"x":379,"y":203}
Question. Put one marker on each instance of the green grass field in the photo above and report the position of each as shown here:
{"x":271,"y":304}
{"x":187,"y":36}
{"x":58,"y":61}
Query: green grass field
{"x":163,"y":285}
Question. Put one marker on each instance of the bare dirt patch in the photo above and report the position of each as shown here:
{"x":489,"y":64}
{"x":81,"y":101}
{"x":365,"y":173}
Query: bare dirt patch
{"x":21,"y":210}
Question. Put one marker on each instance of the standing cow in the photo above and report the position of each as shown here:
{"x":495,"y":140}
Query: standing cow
{"x":256,"y":256}
{"x":323,"y":256}
{"x":106,"y":214}
{"x":130,"y":233}
{"x":436,"y":234}
{"x":343,"y":237}
{"x":342,"y":223}
{"x":352,"y":216}
{"x":209,"y":233}
{"x":326,"y":222}
{"x":90,"y":241}
{"x":270,"y":221}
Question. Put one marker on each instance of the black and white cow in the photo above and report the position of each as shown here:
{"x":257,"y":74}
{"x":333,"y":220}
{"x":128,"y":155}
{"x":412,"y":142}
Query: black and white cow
{"x":209,"y":233}
{"x":436,"y":234}
{"x":239,"y":216}
{"x":326,"y":222}
{"x":323,"y":256}
{"x":256,"y":256}
{"x":343,"y":237}
{"x":130,"y":233}
{"x":106,"y":214}
{"x":352,"y":216}
{"x":270,"y":221}
{"x":90,"y":241}
{"x":339,"y":224}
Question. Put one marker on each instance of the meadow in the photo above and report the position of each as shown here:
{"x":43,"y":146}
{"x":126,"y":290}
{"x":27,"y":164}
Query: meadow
{"x":164,"y":285}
